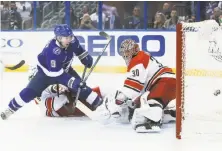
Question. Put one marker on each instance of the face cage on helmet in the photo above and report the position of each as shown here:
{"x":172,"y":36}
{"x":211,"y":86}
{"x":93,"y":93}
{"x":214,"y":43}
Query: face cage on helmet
{"x":127,"y":57}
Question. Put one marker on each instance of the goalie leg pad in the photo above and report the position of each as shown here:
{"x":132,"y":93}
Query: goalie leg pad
{"x":142,"y":124}
{"x":151,"y":109}
{"x":170,"y":112}
{"x":148,"y":117}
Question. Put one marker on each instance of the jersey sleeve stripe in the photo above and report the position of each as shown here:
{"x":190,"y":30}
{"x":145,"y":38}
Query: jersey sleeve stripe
{"x":135,"y":81}
{"x":133,"y":84}
{"x":132,"y":88}
{"x":161,"y":71}
{"x":50,"y":73}
{"x":83,"y":55}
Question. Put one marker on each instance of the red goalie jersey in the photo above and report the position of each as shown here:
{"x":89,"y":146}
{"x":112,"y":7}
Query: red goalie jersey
{"x":145,"y":73}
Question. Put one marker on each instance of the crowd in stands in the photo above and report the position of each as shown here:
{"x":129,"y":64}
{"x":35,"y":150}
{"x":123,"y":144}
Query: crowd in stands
{"x":18,"y":15}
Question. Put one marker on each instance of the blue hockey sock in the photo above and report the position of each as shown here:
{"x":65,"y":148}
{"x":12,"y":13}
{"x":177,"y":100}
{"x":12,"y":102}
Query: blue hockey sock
{"x":25,"y":96}
{"x":13,"y":105}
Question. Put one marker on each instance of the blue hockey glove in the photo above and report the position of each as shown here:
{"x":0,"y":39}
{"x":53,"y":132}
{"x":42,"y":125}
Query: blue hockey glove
{"x":74,"y":83}
{"x":82,"y":85}
{"x":87,"y":61}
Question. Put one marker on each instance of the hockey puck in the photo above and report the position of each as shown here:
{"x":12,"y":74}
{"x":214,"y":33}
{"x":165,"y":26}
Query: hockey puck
{"x":217,"y":92}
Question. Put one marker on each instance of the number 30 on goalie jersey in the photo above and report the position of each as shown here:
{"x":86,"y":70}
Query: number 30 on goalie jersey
{"x":142,"y":72}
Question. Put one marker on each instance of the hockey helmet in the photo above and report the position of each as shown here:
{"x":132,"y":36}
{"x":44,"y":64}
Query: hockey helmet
{"x":128,"y":49}
{"x":63,"y":30}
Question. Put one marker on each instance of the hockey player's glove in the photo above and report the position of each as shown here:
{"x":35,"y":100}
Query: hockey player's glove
{"x":87,"y":61}
{"x":82,"y":85}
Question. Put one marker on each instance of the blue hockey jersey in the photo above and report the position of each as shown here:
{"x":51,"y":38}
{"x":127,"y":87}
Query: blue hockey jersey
{"x":54,"y":60}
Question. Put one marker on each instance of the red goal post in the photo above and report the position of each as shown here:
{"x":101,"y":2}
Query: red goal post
{"x":209,"y":31}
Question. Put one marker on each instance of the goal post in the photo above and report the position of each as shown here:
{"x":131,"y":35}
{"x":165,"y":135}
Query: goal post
{"x":198,"y":71}
{"x":179,"y":78}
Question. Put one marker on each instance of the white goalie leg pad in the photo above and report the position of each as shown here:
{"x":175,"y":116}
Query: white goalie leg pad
{"x":170,"y":112}
{"x":141,"y":117}
{"x":102,"y":113}
{"x":151,"y":109}
{"x":147,"y":118}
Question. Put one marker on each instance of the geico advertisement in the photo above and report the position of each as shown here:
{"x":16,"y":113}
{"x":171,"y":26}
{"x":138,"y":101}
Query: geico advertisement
{"x":156,"y":43}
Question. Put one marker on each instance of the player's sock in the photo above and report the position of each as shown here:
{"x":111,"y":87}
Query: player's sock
{"x":18,"y":101}
{"x":13,"y":105}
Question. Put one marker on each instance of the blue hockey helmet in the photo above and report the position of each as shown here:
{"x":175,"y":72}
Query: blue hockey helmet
{"x":63,"y":30}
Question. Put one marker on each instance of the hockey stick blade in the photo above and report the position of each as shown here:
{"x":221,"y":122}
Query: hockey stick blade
{"x":104,"y":34}
{"x":20,"y":64}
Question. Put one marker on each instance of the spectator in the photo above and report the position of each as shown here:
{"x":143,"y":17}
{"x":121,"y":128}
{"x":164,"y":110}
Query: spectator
{"x":114,"y":19}
{"x":85,"y":10}
{"x":218,"y":16}
{"x":172,"y":22}
{"x":15,"y":18}
{"x":220,"y":5}
{"x":210,"y":9}
{"x":159,"y":21}
{"x":5,"y":13}
{"x":86,"y":22}
{"x":220,"y":19}
{"x":135,"y":21}
{"x":216,"y":13}
{"x":112,"y":16}
{"x":73,"y":19}
{"x":95,"y":18}
{"x":191,"y":19}
{"x":166,"y":10}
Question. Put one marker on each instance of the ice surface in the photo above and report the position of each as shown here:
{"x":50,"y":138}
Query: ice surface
{"x":27,"y":130}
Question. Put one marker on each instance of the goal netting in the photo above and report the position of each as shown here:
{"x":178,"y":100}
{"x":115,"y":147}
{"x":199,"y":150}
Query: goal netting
{"x":199,"y":80}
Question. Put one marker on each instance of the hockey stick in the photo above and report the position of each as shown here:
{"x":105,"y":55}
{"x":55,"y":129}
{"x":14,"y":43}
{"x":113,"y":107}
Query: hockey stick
{"x":103,"y":34}
{"x":20,"y":64}
{"x":77,"y":103}
{"x":79,"y":89}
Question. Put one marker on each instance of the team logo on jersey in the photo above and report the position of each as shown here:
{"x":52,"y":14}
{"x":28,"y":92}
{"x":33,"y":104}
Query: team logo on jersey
{"x":57,"y":51}
{"x":53,"y":63}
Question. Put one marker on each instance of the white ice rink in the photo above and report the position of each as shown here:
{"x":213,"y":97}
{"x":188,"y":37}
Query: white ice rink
{"x":27,"y":130}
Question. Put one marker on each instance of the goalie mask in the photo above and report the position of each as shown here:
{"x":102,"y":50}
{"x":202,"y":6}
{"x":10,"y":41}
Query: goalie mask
{"x":128,"y":49}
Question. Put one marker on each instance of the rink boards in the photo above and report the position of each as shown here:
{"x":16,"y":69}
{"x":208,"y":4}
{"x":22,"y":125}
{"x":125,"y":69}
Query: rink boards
{"x":161,"y":44}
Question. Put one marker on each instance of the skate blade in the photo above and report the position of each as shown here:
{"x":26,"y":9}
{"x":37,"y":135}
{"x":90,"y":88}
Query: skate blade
{"x":142,"y":129}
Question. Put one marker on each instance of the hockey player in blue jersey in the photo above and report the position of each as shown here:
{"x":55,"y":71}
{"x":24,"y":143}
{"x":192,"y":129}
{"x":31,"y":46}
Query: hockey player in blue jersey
{"x":54,"y":67}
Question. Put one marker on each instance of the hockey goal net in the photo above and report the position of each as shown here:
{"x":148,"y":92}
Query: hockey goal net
{"x":199,"y":80}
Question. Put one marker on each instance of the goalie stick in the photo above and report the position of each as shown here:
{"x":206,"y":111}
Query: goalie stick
{"x":77,"y":103}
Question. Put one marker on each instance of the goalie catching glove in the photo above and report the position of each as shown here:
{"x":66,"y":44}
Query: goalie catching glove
{"x":115,"y":108}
